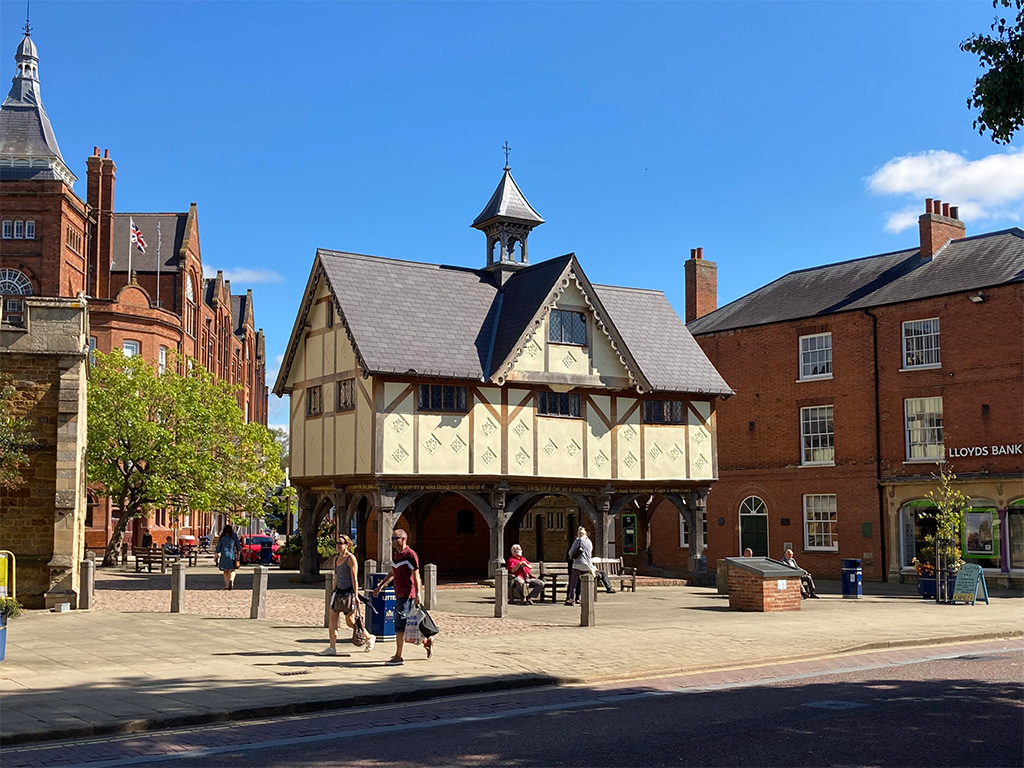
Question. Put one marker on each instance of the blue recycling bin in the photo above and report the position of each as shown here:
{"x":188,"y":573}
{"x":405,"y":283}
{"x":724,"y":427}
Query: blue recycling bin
{"x":853,"y":579}
{"x":381,"y":612}
{"x":266,"y":552}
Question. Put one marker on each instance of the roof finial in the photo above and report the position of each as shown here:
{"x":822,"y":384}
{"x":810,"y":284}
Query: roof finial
{"x":507,"y":149}
{"x":28,"y":15}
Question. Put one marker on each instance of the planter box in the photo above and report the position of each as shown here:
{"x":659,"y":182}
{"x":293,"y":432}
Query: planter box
{"x":290,"y":561}
{"x":926,"y":585}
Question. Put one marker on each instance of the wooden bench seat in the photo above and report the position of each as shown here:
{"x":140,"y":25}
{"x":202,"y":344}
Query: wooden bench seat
{"x":150,"y":556}
{"x":616,"y":571}
{"x":555,"y":576}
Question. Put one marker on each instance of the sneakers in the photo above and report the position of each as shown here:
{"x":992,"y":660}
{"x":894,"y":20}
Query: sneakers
{"x":328,"y":651}
{"x":610,"y":591}
{"x":394,"y":661}
{"x":370,"y":640}
{"x":568,"y":602}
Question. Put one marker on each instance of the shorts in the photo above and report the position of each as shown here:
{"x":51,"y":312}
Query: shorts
{"x":403,"y":605}
{"x":344,"y":602}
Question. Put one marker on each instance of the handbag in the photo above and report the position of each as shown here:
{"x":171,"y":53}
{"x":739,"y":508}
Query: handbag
{"x":359,"y":631}
{"x":427,"y":626}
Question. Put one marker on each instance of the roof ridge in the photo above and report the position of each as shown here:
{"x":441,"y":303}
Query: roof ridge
{"x":629,"y":288}
{"x":392,"y":260}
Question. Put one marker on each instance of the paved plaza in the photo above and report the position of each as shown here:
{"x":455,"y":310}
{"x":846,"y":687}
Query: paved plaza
{"x":131,"y":665}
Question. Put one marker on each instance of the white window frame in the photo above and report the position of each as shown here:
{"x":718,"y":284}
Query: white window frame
{"x":8,"y":232}
{"x":130,"y":347}
{"x":807,"y":376}
{"x":19,"y":229}
{"x":916,"y":432}
{"x":30,"y":229}
{"x":161,"y":365}
{"x":92,"y":350}
{"x":924,"y":353}
{"x":810,"y":442}
{"x":527,"y":524}
{"x":684,"y":532}
{"x":815,"y":517}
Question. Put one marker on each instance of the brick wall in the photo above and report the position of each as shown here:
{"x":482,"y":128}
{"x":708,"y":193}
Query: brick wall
{"x":750,"y":592}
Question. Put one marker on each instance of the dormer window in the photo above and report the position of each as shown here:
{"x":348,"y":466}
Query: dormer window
{"x":567,"y":327}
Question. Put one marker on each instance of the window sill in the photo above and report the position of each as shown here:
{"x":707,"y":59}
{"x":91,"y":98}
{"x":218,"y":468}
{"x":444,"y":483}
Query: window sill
{"x":814,"y":378}
{"x":821,"y":549}
{"x":923,"y":461}
{"x":818,"y":464}
{"x":431,"y":411}
{"x":935,"y":367}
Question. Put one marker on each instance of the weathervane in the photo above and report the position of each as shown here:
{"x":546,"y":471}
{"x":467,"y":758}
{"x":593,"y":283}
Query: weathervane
{"x":28,"y":15}
{"x":507,"y":149}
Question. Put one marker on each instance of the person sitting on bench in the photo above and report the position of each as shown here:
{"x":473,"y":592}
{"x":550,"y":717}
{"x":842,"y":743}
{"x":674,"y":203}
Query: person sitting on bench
{"x":170,"y":548}
{"x":806,"y":580}
{"x":519,"y":568}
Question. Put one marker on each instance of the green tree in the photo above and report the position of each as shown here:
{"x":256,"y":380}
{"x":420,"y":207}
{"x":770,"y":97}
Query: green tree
{"x":999,"y":93}
{"x":950,"y":505}
{"x":14,"y":437}
{"x":281,"y":436}
{"x":174,"y":441}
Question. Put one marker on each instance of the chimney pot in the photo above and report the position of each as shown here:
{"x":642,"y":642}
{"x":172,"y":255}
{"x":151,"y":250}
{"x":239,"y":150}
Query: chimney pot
{"x":693,"y":253}
{"x":106,"y":153}
{"x":927,"y":205}
{"x":96,"y":151}
{"x":945,"y":209}
{"x":954,"y":212}
{"x":700,"y":253}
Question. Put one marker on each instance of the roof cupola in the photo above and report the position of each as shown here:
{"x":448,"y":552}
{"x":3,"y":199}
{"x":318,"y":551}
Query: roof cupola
{"x":507,"y":220}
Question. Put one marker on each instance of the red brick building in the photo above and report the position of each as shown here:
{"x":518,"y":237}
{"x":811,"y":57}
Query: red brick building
{"x":853,"y":380}
{"x":145,"y":297}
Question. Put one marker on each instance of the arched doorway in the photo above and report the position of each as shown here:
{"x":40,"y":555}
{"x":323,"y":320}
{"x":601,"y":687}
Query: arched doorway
{"x":754,"y":526}
{"x":448,"y":530}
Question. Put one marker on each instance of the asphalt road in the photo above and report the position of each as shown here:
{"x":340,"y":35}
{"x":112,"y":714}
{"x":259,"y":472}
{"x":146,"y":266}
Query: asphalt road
{"x":939,"y":706}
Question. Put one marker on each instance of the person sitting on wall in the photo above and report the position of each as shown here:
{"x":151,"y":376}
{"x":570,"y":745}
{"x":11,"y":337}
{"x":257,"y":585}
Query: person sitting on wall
{"x":169,"y":547}
{"x":520,"y":569}
{"x":806,"y":580}
{"x":748,"y":552}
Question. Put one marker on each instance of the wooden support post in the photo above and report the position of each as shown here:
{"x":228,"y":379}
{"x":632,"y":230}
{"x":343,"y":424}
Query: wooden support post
{"x":500,"y":592}
{"x":430,"y":587}
{"x":370,"y":566}
{"x":587,"y":587}
{"x":260,"y":576}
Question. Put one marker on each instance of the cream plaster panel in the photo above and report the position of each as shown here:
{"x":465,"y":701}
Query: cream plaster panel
{"x":444,"y":444}
{"x":605,"y":359}
{"x":344,"y":443}
{"x":520,"y":435}
{"x":701,"y":467}
{"x":664,"y":452}
{"x":297,"y":371}
{"x":599,"y":439}
{"x":398,"y":432}
{"x":296,"y":434}
{"x":318,"y":311}
{"x":314,"y":447}
{"x":572,"y":298}
{"x":568,"y":358}
{"x":487,"y":435}
{"x":532,"y":358}
{"x":327,"y":447}
{"x":314,"y":356}
{"x":560,"y":447}
{"x":628,"y":436}
{"x":365,"y":419}
{"x":345,"y":356}
{"x":328,"y":352}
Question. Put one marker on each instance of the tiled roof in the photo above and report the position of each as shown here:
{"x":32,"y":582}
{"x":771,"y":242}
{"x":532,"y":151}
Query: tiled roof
{"x":432,"y":320}
{"x":968,"y":264}
{"x":508,"y":202}
{"x":172,"y":233}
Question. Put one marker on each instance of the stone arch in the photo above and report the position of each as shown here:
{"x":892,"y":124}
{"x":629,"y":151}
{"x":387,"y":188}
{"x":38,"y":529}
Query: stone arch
{"x":432,"y":518}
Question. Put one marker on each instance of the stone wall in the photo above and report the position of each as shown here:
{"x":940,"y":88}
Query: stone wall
{"x":43,"y":520}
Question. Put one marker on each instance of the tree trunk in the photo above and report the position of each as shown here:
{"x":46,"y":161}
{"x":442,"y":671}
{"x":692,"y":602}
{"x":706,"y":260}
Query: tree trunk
{"x":114,"y":545}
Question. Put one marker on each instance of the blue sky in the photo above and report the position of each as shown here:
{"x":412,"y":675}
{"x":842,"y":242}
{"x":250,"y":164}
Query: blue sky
{"x":776,"y":136}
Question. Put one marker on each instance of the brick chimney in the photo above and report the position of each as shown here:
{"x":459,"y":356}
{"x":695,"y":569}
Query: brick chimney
{"x":939,"y":224}
{"x":100,"y":196}
{"x":701,"y":285}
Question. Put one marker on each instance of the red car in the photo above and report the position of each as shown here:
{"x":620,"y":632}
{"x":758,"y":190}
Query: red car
{"x":252,"y":547}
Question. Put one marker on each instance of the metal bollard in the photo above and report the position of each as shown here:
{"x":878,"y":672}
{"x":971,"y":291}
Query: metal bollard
{"x":430,"y":587}
{"x":588,"y":616}
{"x":260,"y":577}
{"x":328,"y":594}
{"x":500,"y":593}
{"x":178,"y":587}
{"x":370,"y":566}
{"x":88,"y":576}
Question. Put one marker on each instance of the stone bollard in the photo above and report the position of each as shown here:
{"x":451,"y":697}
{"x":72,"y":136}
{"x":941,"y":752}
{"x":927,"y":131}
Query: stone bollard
{"x":178,"y":587}
{"x":500,"y":593}
{"x":587,"y":588}
{"x":370,"y":566}
{"x":430,"y":587}
{"x":722,"y":577}
{"x":260,"y":577}
{"x":88,"y":572}
{"x":328,"y":594}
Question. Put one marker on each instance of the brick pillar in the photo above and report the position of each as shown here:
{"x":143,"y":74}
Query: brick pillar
{"x":100,"y":196}
{"x":701,"y":285}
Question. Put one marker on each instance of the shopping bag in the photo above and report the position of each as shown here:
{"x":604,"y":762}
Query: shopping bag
{"x":412,"y":628}
{"x":427,"y":627}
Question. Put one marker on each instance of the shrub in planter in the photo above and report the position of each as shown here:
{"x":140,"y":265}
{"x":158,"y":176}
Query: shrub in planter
{"x":9,"y":609}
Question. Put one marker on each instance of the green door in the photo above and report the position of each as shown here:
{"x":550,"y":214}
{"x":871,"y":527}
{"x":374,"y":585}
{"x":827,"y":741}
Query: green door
{"x":754,"y":526}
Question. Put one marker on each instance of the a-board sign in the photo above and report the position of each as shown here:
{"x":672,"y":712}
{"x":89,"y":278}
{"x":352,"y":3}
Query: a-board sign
{"x":969,"y":579}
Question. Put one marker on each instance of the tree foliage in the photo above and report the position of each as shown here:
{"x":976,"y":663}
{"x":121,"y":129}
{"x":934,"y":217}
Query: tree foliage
{"x":950,"y":505}
{"x":14,"y":437}
{"x":176,"y":441}
{"x":999,"y":93}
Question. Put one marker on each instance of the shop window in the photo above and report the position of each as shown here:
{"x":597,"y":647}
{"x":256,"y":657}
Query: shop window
{"x":1015,"y":519}
{"x":924,"y":431}
{"x":820,"y":522}
{"x":664,"y":412}
{"x":917,"y":520}
{"x":465,"y":525}
{"x":981,"y":534}
{"x":816,"y":356}
{"x":558,"y":404}
{"x":567,"y":327}
{"x":315,"y":400}
{"x":921,"y":343}
{"x":817,"y":438}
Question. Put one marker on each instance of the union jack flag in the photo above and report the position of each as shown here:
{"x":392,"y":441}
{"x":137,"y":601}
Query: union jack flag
{"x":137,"y":239}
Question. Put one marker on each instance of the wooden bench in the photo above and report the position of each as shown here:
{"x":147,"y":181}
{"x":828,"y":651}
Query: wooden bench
{"x":555,"y":576}
{"x":616,"y":571}
{"x":150,"y":556}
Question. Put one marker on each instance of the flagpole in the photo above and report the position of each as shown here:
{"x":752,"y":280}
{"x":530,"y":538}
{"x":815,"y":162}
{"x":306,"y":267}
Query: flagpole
{"x":131,"y":228}
{"x":159,"y":241}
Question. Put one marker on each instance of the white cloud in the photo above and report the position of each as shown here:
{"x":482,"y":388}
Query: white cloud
{"x":989,"y":188}
{"x":273,"y":368}
{"x":244,"y":275}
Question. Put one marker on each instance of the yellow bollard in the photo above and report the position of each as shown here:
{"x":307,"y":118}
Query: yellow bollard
{"x":8,"y":573}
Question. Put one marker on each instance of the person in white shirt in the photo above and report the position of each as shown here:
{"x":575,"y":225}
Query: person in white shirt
{"x":806,"y":580}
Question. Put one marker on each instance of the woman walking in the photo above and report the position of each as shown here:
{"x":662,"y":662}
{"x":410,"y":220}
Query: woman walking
{"x":229,"y":550}
{"x":344,"y":599}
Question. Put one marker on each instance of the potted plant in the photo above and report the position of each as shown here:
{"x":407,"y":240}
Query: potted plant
{"x":9,"y":609}
{"x":924,"y":564}
{"x":326,"y":544}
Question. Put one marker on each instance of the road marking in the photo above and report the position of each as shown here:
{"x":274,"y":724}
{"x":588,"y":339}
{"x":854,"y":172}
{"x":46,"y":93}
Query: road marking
{"x":594,"y":701}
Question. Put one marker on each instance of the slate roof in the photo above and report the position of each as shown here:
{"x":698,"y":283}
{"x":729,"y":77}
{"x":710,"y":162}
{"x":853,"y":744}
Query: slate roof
{"x":172,"y":229}
{"x":968,"y":264}
{"x":508,"y":202}
{"x":433,"y":320}
{"x":238,"y":313}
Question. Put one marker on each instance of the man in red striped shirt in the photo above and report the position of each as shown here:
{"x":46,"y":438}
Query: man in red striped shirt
{"x":405,"y":573}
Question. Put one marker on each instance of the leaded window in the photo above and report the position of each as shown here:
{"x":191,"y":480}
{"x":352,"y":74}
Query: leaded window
{"x":558,"y":404}
{"x":315,"y":400}
{"x":567,"y":327}
{"x":921,"y":343}
{"x":443,"y":397}
{"x":664,"y":412}
{"x":816,"y":436}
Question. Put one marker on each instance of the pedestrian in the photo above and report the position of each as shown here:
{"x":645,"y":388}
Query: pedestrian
{"x":522,"y":575}
{"x":807,"y":588}
{"x":748,"y":552}
{"x":405,"y":573}
{"x":229,"y":550}
{"x":344,"y":599}
{"x":581,"y":551}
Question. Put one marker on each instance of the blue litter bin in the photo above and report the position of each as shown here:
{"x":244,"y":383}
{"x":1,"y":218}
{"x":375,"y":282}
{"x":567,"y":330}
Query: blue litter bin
{"x":266,"y":552}
{"x":853,"y":579}
{"x":381,"y":612}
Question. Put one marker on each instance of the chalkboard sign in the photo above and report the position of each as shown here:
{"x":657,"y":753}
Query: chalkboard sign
{"x":969,"y":579}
